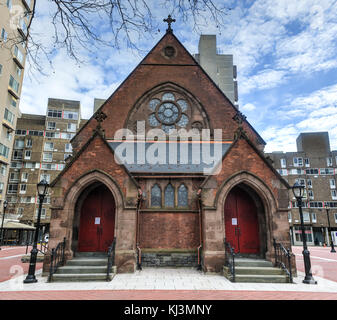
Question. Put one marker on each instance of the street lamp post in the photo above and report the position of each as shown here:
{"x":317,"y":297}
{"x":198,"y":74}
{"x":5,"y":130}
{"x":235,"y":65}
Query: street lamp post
{"x":330,"y":237}
{"x":298,"y":191}
{"x":2,"y":223}
{"x":42,"y":189}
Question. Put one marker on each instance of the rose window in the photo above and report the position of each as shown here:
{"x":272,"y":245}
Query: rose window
{"x":168,"y":112}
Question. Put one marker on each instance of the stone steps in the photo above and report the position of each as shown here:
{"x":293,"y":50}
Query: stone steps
{"x":86,"y":266}
{"x":256,"y":270}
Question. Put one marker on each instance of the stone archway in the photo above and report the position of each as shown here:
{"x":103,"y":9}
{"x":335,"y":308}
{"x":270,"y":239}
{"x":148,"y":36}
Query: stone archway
{"x":245,"y":221}
{"x":94,"y":220}
{"x":264,"y":199}
{"x":75,"y":194}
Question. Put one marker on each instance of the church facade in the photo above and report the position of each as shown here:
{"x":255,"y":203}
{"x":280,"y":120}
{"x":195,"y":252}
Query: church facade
{"x":168,"y":165}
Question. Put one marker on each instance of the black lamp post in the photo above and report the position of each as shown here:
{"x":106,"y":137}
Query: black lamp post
{"x":42,"y":189}
{"x":298,"y":191}
{"x":2,"y":223}
{"x":330,"y":237}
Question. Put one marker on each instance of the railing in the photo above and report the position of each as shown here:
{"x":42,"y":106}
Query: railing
{"x":283,"y":259}
{"x":139,"y":257}
{"x":111,"y":258}
{"x":57,"y":258}
{"x":230,"y":259}
{"x":43,"y":247}
{"x":200,"y":261}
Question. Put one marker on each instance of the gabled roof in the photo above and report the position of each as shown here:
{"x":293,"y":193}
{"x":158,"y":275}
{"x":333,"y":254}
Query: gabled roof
{"x":242,"y":135}
{"x":96,"y":133}
{"x":160,"y":60}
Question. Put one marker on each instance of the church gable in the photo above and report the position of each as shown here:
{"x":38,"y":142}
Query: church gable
{"x":205,"y":106}
{"x":96,"y":155}
{"x":243,"y":157}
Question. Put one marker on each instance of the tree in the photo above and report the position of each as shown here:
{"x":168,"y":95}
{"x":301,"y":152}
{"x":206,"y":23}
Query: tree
{"x":90,"y":24}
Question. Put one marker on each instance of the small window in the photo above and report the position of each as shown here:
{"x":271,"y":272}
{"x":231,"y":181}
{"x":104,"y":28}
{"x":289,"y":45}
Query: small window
{"x":298,"y":162}
{"x":329,"y":162}
{"x":309,"y":183}
{"x":51,"y":125}
{"x":313,"y":218}
{"x":311,"y":194}
{"x":156,"y":196}
{"x":334,"y":194}
{"x":28,"y":154}
{"x":29,"y":143}
{"x":47,"y":156}
{"x":306,"y":217}
{"x":49,"y":146}
{"x":68,"y":147}
{"x":307,"y":162}
{"x":0,"y":69}
{"x":169,"y":196}
{"x":289,"y":217}
{"x":182,"y":196}
{"x":332,"y":184}
{"x":24,"y":177}
{"x":283,"y":163}
{"x":43,"y":213}
{"x":335,"y":217}
{"x":71,"y":127}
{"x":23,"y":188}
{"x":3,"y":35}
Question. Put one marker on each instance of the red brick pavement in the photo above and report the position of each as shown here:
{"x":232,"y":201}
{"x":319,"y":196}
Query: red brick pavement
{"x":13,"y":267}
{"x":326,"y":269}
{"x":165,"y":295}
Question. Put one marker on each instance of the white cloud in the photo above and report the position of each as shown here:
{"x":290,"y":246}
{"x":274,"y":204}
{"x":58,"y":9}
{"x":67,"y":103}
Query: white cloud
{"x":248,"y":107}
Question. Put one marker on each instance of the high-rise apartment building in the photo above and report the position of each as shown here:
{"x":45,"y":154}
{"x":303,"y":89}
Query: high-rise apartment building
{"x":41,"y":148}
{"x":14,"y":21}
{"x":314,"y":166}
{"x":218,"y":66}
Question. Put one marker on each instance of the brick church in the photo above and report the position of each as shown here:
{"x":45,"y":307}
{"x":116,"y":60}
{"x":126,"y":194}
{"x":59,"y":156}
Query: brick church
{"x":163,"y":212}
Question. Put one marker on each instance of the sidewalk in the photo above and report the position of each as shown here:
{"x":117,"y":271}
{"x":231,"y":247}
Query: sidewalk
{"x":167,"y":283}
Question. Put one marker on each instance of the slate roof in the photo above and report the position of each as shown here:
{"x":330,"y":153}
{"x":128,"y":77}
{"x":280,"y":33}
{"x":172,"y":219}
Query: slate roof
{"x":184,"y":157}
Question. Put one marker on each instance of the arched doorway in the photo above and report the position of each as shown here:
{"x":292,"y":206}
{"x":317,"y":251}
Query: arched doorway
{"x":242,"y":226}
{"x":97,"y":220}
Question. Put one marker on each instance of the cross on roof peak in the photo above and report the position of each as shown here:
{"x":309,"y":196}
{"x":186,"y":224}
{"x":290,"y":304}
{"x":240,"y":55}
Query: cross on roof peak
{"x":169,"y":20}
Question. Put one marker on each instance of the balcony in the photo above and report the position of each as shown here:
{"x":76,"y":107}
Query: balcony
{"x":18,"y":62}
{"x":8,"y":125}
{"x":26,"y":3}
{"x":13,"y":93}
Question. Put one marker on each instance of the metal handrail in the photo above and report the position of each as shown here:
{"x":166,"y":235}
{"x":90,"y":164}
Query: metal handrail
{"x":230,"y":259}
{"x":111,"y":258}
{"x":283,"y":259}
{"x":57,"y":258}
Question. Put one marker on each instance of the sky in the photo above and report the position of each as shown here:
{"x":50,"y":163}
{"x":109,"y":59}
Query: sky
{"x":285,"y":53}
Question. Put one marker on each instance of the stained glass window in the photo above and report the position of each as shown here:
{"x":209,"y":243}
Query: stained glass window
{"x":155,"y":196}
{"x":183,"y":121}
{"x":168,"y":96}
{"x":182,"y":196}
{"x":169,"y":196}
{"x":168,"y":112}
{"x":153,"y":104}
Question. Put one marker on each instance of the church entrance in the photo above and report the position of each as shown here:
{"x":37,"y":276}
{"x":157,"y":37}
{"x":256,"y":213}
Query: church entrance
{"x":97,"y":221}
{"x":241,"y":222}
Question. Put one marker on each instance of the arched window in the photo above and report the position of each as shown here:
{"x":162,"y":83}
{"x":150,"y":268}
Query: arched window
{"x":155,"y":196}
{"x":182,"y":196}
{"x":169,"y":196}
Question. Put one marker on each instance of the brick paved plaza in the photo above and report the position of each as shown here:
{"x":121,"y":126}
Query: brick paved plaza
{"x":168,"y":284}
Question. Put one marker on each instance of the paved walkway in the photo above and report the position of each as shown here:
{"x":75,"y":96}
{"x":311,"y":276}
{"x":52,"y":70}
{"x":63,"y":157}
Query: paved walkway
{"x":170,"y":283}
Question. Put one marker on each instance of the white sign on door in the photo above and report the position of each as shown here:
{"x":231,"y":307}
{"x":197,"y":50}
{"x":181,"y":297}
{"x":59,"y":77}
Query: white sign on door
{"x":234,"y":221}
{"x":97,"y":220}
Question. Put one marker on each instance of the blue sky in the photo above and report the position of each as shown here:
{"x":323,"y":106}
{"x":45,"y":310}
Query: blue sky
{"x":285,"y":52}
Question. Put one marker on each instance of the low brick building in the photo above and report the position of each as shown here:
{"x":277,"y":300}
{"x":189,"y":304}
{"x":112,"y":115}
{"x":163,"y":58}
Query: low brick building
{"x":160,"y":210}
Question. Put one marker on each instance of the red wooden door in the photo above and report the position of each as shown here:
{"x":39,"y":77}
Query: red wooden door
{"x":97,"y":221}
{"x":241,"y":223}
